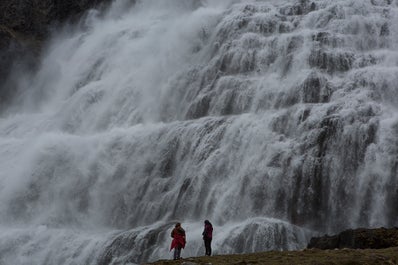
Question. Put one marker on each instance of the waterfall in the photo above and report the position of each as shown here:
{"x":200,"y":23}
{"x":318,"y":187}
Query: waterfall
{"x":275,"y":120}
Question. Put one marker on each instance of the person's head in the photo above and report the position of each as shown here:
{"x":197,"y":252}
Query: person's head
{"x":207,"y":222}
{"x":178,"y":224}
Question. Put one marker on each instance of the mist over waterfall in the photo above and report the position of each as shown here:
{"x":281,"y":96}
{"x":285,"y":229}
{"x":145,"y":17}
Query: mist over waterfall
{"x":277,"y":120}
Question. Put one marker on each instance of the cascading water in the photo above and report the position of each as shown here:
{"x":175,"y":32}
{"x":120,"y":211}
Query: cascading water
{"x":276,"y":120}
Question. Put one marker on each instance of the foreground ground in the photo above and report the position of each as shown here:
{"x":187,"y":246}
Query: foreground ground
{"x":304,"y":257}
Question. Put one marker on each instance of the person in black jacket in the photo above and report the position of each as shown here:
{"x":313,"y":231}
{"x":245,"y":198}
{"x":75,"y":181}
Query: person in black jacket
{"x":207,"y":236}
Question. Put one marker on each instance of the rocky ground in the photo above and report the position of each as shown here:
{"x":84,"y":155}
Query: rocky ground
{"x":351,"y":247}
{"x":304,"y":257}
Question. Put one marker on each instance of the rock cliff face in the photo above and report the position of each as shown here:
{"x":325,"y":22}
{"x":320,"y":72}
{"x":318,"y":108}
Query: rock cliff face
{"x":25,"y":24}
{"x":358,"y":238}
{"x":26,"y":20}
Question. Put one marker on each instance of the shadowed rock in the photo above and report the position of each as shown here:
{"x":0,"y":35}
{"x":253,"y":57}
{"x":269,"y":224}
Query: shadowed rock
{"x":24,"y":25}
{"x":358,"y":238}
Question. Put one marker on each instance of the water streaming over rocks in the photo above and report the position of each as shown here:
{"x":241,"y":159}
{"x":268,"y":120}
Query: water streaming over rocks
{"x":276,"y":120}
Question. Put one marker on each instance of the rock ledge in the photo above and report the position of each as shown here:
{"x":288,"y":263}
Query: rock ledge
{"x":361,"y":238}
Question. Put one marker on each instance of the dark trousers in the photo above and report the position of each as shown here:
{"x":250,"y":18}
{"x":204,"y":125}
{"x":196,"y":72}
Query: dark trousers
{"x":177,"y":252}
{"x":208,"y":246}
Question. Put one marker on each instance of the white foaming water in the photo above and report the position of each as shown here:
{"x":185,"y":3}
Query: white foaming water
{"x":275,"y":120}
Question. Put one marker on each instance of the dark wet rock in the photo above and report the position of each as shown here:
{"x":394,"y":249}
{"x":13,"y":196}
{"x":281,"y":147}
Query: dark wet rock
{"x":16,"y":51}
{"x":359,"y":238}
{"x":199,"y":108}
{"x":301,"y":8}
{"x":129,"y":247}
{"x":381,"y":2}
{"x":24,"y":25}
{"x":384,"y":30}
{"x":32,"y":18}
{"x":325,"y":38}
{"x":331,"y":61}
{"x":315,"y":89}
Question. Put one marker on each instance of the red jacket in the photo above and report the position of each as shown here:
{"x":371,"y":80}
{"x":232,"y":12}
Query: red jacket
{"x":178,"y":235}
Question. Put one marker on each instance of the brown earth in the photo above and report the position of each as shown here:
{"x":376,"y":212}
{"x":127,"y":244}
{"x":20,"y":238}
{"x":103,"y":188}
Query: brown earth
{"x":304,"y":257}
{"x":350,"y":247}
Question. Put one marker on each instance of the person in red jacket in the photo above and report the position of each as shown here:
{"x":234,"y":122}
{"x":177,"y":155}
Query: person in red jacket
{"x":178,"y":235}
{"x":207,"y":236}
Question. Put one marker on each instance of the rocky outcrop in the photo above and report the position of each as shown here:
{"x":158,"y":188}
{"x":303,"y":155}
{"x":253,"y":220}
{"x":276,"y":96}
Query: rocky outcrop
{"x":24,"y":25}
{"x":359,"y":238}
{"x":26,"y":19}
